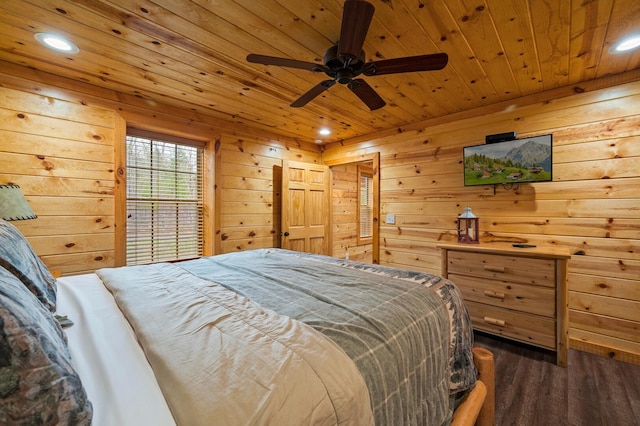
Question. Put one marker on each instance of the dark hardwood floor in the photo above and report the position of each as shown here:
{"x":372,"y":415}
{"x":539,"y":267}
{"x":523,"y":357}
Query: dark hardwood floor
{"x":531,"y":390}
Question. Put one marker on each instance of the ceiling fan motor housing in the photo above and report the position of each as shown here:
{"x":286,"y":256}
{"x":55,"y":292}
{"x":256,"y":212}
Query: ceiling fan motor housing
{"x":342,"y":69}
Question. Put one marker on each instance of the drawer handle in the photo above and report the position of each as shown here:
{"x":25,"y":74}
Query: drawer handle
{"x":494,"y":294}
{"x":494,"y":268}
{"x":494,"y":321}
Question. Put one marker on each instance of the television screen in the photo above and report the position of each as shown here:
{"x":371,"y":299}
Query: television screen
{"x":514,"y":161}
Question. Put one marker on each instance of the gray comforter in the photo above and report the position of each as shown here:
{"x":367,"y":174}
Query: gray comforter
{"x":221,"y":359}
{"x":408,"y":332}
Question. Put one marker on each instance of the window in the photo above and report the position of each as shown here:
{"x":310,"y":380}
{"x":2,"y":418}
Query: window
{"x":365,"y":203}
{"x":164,"y":199}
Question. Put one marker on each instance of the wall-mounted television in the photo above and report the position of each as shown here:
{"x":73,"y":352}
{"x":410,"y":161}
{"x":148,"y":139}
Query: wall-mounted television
{"x":514,"y":161}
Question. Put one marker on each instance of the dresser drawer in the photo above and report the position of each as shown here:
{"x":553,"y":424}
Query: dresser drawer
{"x":528,"y":328}
{"x":507,"y":268}
{"x":520,"y":297}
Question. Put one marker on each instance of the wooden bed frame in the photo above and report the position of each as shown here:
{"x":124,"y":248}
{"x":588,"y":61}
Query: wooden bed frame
{"x":478,"y":407}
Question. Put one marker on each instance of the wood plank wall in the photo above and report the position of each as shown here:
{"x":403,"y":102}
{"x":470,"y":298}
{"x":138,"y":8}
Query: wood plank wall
{"x":592,"y":206}
{"x":76,"y":127}
{"x":249,"y":183}
{"x":61,"y":155}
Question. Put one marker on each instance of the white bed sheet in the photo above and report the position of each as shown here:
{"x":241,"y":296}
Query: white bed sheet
{"x":112,"y":366}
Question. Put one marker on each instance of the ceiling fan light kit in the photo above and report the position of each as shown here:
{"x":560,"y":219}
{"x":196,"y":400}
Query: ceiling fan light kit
{"x":345,"y":60}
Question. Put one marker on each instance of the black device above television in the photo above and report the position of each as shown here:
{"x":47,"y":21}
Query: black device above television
{"x":511,"y":161}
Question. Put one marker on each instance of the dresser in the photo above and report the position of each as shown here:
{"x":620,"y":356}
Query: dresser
{"x":517,"y":293}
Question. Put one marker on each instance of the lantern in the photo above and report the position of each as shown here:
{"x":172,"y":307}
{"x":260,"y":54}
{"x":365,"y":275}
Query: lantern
{"x":468,"y":231}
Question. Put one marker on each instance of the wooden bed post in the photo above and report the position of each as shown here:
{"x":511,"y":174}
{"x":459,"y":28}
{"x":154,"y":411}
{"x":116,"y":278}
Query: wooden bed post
{"x":478,"y":406}
{"x":483,"y":359}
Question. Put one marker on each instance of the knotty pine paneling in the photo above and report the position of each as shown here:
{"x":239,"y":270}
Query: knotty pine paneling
{"x":62,"y":155}
{"x":61,"y":122}
{"x":248,"y":194}
{"x":592,"y":206}
{"x":190,"y":55}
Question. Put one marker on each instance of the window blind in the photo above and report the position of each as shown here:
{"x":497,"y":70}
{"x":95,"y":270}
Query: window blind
{"x":164,"y":200}
{"x":366,"y":206}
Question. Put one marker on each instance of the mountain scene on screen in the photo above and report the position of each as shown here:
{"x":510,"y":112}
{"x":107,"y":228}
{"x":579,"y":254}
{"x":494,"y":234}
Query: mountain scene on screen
{"x":531,"y":154}
{"x":518,"y":161}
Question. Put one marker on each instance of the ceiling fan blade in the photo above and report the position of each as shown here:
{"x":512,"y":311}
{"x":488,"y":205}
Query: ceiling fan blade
{"x":284,"y":62}
{"x":356,"y":18}
{"x":366,"y":94}
{"x":311,"y":94}
{"x":435,"y":61}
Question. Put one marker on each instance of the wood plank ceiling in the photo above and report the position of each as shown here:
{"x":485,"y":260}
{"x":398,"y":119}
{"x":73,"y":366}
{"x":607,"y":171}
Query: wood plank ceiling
{"x":191,"y":54}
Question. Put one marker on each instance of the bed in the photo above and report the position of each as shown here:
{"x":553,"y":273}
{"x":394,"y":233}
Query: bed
{"x":265,"y":336}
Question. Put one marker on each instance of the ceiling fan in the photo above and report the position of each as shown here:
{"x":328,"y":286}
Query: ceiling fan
{"x":345,"y":60}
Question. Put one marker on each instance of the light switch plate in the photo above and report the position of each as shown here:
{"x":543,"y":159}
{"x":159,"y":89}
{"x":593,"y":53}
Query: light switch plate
{"x":391,"y":219}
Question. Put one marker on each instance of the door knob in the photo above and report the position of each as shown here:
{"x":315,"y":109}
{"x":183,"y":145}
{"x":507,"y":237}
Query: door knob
{"x":286,"y":234}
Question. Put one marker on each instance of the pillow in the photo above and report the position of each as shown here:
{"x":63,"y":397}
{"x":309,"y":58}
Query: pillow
{"x":38,"y":384}
{"x":17,"y":257}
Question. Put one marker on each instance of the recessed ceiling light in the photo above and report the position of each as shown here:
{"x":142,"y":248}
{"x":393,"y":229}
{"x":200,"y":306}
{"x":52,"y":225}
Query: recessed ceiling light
{"x":626,"y":44}
{"x":56,"y":42}
{"x":324,"y":131}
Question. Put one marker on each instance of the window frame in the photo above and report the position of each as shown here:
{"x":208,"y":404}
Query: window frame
{"x":366,"y":172}
{"x":120,"y":170}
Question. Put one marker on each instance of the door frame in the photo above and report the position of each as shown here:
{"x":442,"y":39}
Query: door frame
{"x":374,"y":158}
